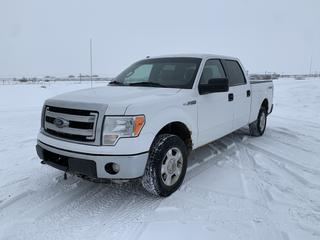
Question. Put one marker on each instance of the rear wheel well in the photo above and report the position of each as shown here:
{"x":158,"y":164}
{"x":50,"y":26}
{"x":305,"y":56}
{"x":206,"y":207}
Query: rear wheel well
{"x":265,"y":104}
{"x":179,"y":129}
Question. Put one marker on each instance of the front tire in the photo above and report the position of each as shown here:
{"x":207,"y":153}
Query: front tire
{"x":166,"y":166}
{"x":258,"y":127}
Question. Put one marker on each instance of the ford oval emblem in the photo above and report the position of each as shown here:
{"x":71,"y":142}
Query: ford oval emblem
{"x":60,"y":122}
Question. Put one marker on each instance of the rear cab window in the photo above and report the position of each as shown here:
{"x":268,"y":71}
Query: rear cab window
{"x":234,"y":72}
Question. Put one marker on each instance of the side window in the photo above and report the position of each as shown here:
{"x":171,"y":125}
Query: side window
{"x":141,"y":74}
{"x":212,"y":70}
{"x":234,"y":73}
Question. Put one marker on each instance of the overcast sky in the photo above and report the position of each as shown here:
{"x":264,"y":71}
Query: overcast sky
{"x":39,"y":37}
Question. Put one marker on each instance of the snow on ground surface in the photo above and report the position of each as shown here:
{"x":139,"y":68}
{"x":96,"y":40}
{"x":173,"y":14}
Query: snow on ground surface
{"x":238,"y":187}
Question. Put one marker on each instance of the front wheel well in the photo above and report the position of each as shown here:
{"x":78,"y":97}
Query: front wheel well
{"x":179,"y":129}
{"x":265,"y":104}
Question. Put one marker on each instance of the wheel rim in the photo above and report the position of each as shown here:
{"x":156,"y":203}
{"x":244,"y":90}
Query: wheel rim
{"x":262,"y":121}
{"x":171,"y":167}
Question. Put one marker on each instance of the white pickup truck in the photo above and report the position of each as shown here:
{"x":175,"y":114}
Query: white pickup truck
{"x":147,"y":120}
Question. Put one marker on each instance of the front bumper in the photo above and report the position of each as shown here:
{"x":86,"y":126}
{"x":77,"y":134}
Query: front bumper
{"x":92,"y":165}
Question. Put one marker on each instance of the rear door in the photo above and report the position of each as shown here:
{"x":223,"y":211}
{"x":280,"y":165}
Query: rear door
{"x":241,"y":92}
{"x":215,"y":111}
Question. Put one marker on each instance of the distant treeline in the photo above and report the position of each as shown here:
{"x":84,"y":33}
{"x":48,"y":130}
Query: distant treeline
{"x":270,"y":76}
{"x":55,"y":79}
{"x":264,"y":76}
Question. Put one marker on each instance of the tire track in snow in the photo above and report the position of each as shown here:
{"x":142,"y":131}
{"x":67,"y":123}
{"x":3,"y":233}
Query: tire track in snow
{"x":40,"y":200}
{"x":296,"y":142}
{"x":280,"y":160}
{"x":55,"y":211}
{"x":311,"y":207}
{"x":271,"y":183}
{"x":303,"y":206}
{"x":307,"y":123}
{"x":215,"y":150}
{"x":213,"y":153}
{"x":15,"y":199}
{"x":263,"y":196}
{"x":120,"y":206}
{"x":313,"y":130}
{"x":107,"y":207}
{"x":256,"y":147}
{"x":127,"y":218}
{"x":124,"y":225}
{"x":223,"y":149}
{"x":60,"y":202}
{"x":14,"y":182}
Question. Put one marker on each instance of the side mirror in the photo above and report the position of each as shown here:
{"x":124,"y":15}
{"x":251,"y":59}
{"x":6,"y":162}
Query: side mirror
{"x":214,"y":85}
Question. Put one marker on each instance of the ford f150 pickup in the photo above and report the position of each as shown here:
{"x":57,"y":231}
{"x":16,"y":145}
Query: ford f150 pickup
{"x":148,"y":119}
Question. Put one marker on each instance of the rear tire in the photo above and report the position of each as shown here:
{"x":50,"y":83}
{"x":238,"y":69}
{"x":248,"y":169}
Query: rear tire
{"x":258,"y":127}
{"x":166,"y":166}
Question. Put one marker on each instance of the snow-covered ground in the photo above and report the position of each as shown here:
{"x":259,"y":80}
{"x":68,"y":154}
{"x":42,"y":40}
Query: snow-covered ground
{"x":238,"y":187}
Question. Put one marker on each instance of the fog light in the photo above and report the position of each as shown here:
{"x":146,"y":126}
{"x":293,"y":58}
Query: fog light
{"x":112,"y":168}
{"x":115,"y":167}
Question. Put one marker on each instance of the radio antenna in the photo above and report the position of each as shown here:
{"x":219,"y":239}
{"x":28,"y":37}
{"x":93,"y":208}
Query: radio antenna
{"x":91,"y":61}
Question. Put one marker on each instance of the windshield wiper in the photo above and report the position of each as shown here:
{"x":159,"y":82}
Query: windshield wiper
{"x":147,"y":84}
{"x":115,"y":82}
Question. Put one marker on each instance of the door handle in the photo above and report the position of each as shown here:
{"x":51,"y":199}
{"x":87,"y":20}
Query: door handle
{"x":230,"y":97}
{"x":248,"y":93}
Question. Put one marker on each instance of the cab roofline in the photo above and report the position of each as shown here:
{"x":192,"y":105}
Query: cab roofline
{"x":193,"y":55}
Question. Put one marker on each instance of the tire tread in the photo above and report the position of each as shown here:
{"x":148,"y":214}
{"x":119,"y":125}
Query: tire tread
{"x":150,"y":179}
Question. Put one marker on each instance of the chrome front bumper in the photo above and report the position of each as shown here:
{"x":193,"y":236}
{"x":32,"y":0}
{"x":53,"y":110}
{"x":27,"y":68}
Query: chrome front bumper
{"x":93,"y":165}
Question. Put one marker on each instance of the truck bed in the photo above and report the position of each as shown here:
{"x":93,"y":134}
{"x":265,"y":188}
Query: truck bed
{"x":260,"y":89}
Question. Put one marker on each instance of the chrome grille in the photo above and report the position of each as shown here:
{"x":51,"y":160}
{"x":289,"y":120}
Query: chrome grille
{"x":72,"y":124}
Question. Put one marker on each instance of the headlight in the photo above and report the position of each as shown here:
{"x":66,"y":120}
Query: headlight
{"x":118,"y":127}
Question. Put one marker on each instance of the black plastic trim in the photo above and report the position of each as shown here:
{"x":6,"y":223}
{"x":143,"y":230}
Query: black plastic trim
{"x":271,"y":110}
{"x":94,"y":154}
{"x":68,"y":164}
{"x":260,"y":81}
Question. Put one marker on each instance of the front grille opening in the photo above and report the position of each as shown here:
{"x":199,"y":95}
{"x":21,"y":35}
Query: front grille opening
{"x":76,"y":125}
{"x":69,"y":111}
{"x":69,"y":136}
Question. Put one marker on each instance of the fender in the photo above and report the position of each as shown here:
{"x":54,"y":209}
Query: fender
{"x":174,"y":114}
{"x":176,"y":111}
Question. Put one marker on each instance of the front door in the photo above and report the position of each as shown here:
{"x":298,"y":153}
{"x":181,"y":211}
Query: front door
{"x":215,"y":110}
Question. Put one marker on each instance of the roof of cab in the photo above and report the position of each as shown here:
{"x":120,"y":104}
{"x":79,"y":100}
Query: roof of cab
{"x":195,"y":55}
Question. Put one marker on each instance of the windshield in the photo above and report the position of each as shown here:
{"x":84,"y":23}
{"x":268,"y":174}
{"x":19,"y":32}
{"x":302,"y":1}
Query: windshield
{"x":160,"y":72}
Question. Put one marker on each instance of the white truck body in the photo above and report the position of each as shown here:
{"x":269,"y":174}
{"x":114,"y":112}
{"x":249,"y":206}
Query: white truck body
{"x":206,"y":116}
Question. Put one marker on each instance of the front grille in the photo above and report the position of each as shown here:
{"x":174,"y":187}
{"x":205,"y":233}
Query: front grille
{"x":72,"y":124}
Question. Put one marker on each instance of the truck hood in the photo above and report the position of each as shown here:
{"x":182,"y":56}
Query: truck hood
{"x":115,"y":97}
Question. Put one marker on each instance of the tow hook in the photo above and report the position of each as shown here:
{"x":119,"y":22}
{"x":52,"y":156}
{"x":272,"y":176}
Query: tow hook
{"x":65,"y":176}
